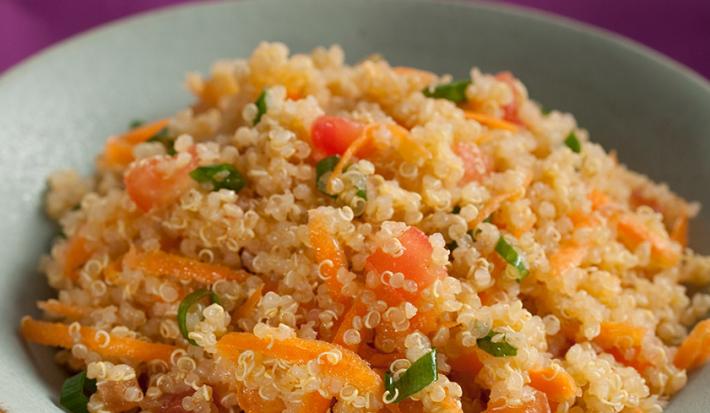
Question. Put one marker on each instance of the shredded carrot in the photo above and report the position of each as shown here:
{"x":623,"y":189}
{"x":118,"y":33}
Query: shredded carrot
{"x":357,"y":309}
{"x":557,"y":384}
{"x":679,"y":231}
{"x":250,"y":304}
{"x":424,"y":76}
{"x":569,"y":255}
{"x":118,"y":151}
{"x":77,"y":253}
{"x":409,"y":149}
{"x":57,"y":308}
{"x":159,"y":263}
{"x":380,"y":360}
{"x":632,"y":232}
{"x":624,"y":342}
{"x":59,"y":335}
{"x":327,"y":248}
{"x":349,"y":153}
{"x":581,"y":219}
{"x":314,"y":403}
{"x":695,"y":349}
{"x":493,"y":204}
{"x":490,"y":121}
{"x":538,"y":404}
{"x":598,"y":198}
{"x":467,"y":363}
{"x":250,"y":401}
{"x":350,"y":367}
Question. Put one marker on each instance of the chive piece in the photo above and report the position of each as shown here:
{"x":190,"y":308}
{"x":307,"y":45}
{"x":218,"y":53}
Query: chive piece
{"x":511,"y":256}
{"x":76,"y":391}
{"x":220,"y":176}
{"x":498,"y":349}
{"x":362,"y":193}
{"x":573,"y":143}
{"x":419,"y":375}
{"x":456,"y":210}
{"x":323,"y":167}
{"x":164,"y":138}
{"x":261,"y":107}
{"x":135,"y":123}
{"x":185,"y":305}
{"x":454,"y":91}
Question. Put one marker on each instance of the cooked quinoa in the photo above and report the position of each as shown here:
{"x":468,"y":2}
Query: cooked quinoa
{"x":306,"y":234}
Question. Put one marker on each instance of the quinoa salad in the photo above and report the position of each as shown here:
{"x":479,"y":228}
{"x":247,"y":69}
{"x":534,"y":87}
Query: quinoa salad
{"x":310,"y":236}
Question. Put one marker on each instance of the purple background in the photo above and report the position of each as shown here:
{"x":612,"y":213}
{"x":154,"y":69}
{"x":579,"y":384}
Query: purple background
{"x":678,"y":28}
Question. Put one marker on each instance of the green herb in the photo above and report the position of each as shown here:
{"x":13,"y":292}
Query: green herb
{"x":498,"y":349}
{"x":261,"y":107}
{"x":220,"y":176}
{"x":545,"y":111}
{"x":573,"y":143}
{"x":419,"y":375}
{"x":511,"y":256}
{"x":190,"y":300}
{"x":456,"y":210}
{"x":164,"y":138}
{"x":362,"y":193}
{"x":135,"y":123}
{"x":323,"y":167}
{"x":454,"y":91}
{"x":76,"y":391}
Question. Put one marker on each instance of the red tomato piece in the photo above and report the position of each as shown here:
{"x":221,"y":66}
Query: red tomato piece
{"x":151,"y":186}
{"x":476,"y":164}
{"x":332,"y":135}
{"x":415,"y":264}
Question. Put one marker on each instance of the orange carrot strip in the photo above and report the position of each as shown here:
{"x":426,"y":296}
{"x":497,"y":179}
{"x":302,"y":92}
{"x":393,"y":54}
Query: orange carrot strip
{"x":381,"y":360}
{"x":119,"y":149}
{"x":598,"y":198}
{"x":314,"y":403}
{"x":491,"y":206}
{"x":679,"y":231}
{"x":624,"y":342}
{"x":327,"y":248}
{"x":557,"y":384}
{"x":467,"y":363}
{"x":349,"y":153}
{"x":250,"y":401}
{"x":569,"y":255}
{"x":695,"y":349}
{"x":77,"y":253}
{"x":357,"y":309}
{"x":159,"y":263}
{"x":631,"y":232}
{"x":58,"y":335}
{"x":538,"y":404}
{"x":57,"y":308}
{"x":350,"y":368}
{"x":250,"y":304}
{"x":423,"y":76}
{"x":490,"y":121}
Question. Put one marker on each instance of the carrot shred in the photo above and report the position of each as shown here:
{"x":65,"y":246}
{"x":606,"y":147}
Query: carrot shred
{"x":695,"y":349}
{"x":250,"y":304}
{"x":351,"y":368}
{"x":490,"y":121}
{"x":327,"y":248}
{"x":118,"y":151}
{"x":424,"y":76}
{"x":492,"y":205}
{"x":357,"y":309}
{"x":314,"y":403}
{"x":349,"y":153}
{"x":632,"y":232}
{"x":538,"y":404}
{"x":624,"y":342}
{"x":467,"y":363}
{"x":380,"y":360}
{"x":679,"y":231}
{"x":557,"y":384}
{"x":569,"y":255}
{"x":57,"y":308}
{"x":250,"y":401}
{"x":58,"y":335}
{"x":77,"y":253}
{"x":159,"y":263}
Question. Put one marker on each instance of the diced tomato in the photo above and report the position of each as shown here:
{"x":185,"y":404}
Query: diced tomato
{"x":476,"y":164}
{"x":415,"y":264}
{"x":151,"y":186}
{"x":331,"y":135}
{"x":510,"y":111}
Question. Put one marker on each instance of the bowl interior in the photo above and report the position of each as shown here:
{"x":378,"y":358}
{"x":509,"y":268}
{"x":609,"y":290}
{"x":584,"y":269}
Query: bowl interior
{"x":57,"y":109}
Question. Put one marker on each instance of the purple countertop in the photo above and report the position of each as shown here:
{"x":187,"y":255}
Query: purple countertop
{"x":677,"y":28}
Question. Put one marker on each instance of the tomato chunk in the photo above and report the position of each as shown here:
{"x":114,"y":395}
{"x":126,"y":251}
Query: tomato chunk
{"x":476,"y":164}
{"x":152,"y":183}
{"x":415,"y":264}
{"x":331,"y":135}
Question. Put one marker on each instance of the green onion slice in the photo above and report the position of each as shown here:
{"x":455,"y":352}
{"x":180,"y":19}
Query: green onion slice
{"x":419,"y":375}
{"x":190,"y":300}
{"x":261,"y":107}
{"x":135,"y":123}
{"x":454,"y":91}
{"x":76,"y":391}
{"x":511,"y":256}
{"x":324,"y":166}
{"x":573,"y":143}
{"x":498,"y":349}
{"x":164,"y":138}
{"x":220,"y":176}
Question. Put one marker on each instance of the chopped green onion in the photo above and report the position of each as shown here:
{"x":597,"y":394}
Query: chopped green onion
{"x":511,"y":256}
{"x":573,"y":143}
{"x":323,"y":167}
{"x":135,"y":123}
{"x":76,"y":391}
{"x":187,"y":302}
{"x":261,"y":107}
{"x":545,"y":111}
{"x":220,"y":176}
{"x":456,"y":210}
{"x":164,"y":138}
{"x":498,"y":349}
{"x":362,"y":193}
{"x":419,"y":375}
{"x":454,"y":91}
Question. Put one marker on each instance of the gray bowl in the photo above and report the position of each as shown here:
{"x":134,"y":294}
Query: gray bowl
{"x":57,"y":108}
